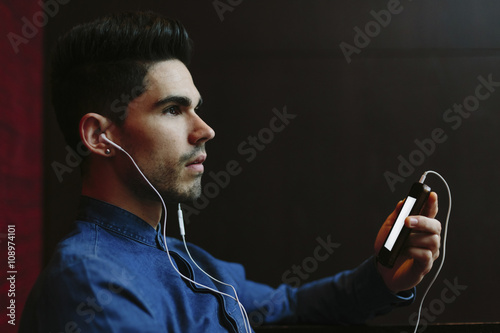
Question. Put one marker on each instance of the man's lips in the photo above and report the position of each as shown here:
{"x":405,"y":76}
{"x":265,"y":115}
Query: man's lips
{"x":197,"y":163}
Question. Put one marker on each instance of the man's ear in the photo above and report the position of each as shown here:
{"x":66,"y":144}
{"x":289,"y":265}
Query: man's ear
{"x":91,"y":127}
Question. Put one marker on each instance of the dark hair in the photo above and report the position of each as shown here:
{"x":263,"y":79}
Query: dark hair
{"x":100,"y":66}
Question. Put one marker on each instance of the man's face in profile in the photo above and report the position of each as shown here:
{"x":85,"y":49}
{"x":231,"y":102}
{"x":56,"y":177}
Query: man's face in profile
{"x":165,"y":135}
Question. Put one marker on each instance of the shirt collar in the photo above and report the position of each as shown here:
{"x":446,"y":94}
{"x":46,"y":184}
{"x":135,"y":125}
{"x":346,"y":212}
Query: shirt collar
{"x":118,"y":220}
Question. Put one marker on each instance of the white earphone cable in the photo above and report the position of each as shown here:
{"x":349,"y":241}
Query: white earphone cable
{"x":242,"y":309}
{"x":445,"y":234}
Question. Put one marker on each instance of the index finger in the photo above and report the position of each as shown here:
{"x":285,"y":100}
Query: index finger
{"x":431,"y":206}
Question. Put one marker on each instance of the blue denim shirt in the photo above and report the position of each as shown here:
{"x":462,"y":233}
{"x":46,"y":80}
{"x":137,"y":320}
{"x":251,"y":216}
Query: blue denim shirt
{"x":112,"y":274}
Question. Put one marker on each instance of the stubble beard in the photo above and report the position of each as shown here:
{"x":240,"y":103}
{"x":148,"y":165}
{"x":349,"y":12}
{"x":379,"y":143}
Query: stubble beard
{"x":168,"y":181}
{"x":173,"y":193}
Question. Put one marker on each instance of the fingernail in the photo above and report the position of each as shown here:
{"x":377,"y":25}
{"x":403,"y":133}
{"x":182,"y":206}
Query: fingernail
{"x":413,"y":221}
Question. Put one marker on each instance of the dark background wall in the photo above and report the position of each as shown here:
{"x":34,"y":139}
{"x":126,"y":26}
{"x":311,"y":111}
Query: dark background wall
{"x":322,"y":175}
{"x":21,"y":168}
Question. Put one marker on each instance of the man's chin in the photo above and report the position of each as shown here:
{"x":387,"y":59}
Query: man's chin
{"x":188,"y":196}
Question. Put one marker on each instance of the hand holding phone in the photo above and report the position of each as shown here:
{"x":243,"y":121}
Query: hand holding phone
{"x":413,"y":204}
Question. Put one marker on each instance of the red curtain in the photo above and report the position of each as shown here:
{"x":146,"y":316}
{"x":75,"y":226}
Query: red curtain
{"x":21,"y":61}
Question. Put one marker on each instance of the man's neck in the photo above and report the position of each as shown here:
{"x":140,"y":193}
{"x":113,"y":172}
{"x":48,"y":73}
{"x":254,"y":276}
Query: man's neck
{"x":115,"y":193}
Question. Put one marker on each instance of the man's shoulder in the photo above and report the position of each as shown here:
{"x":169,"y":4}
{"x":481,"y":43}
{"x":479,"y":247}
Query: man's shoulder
{"x":83,"y":254}
{"x":79,"y":283}
{"x":74,"y":249}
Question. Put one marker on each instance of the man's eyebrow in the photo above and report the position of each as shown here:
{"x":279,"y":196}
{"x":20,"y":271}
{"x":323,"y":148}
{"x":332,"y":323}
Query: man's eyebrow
{"x":181,"y":100}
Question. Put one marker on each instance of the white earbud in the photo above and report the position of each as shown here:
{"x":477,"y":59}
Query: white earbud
{"x":105,"y":138}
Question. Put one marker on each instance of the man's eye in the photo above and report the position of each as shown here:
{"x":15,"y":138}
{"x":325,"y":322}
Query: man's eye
{"x":174,"y":110}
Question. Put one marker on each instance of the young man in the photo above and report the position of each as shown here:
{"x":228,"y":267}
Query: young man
{"x":116,"y":272}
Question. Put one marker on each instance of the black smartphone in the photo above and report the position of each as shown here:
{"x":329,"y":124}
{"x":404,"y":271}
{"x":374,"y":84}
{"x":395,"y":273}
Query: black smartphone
{"x":413,"y":204}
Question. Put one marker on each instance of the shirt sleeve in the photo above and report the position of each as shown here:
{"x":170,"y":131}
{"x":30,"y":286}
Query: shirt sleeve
{"x":349,"y":297}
